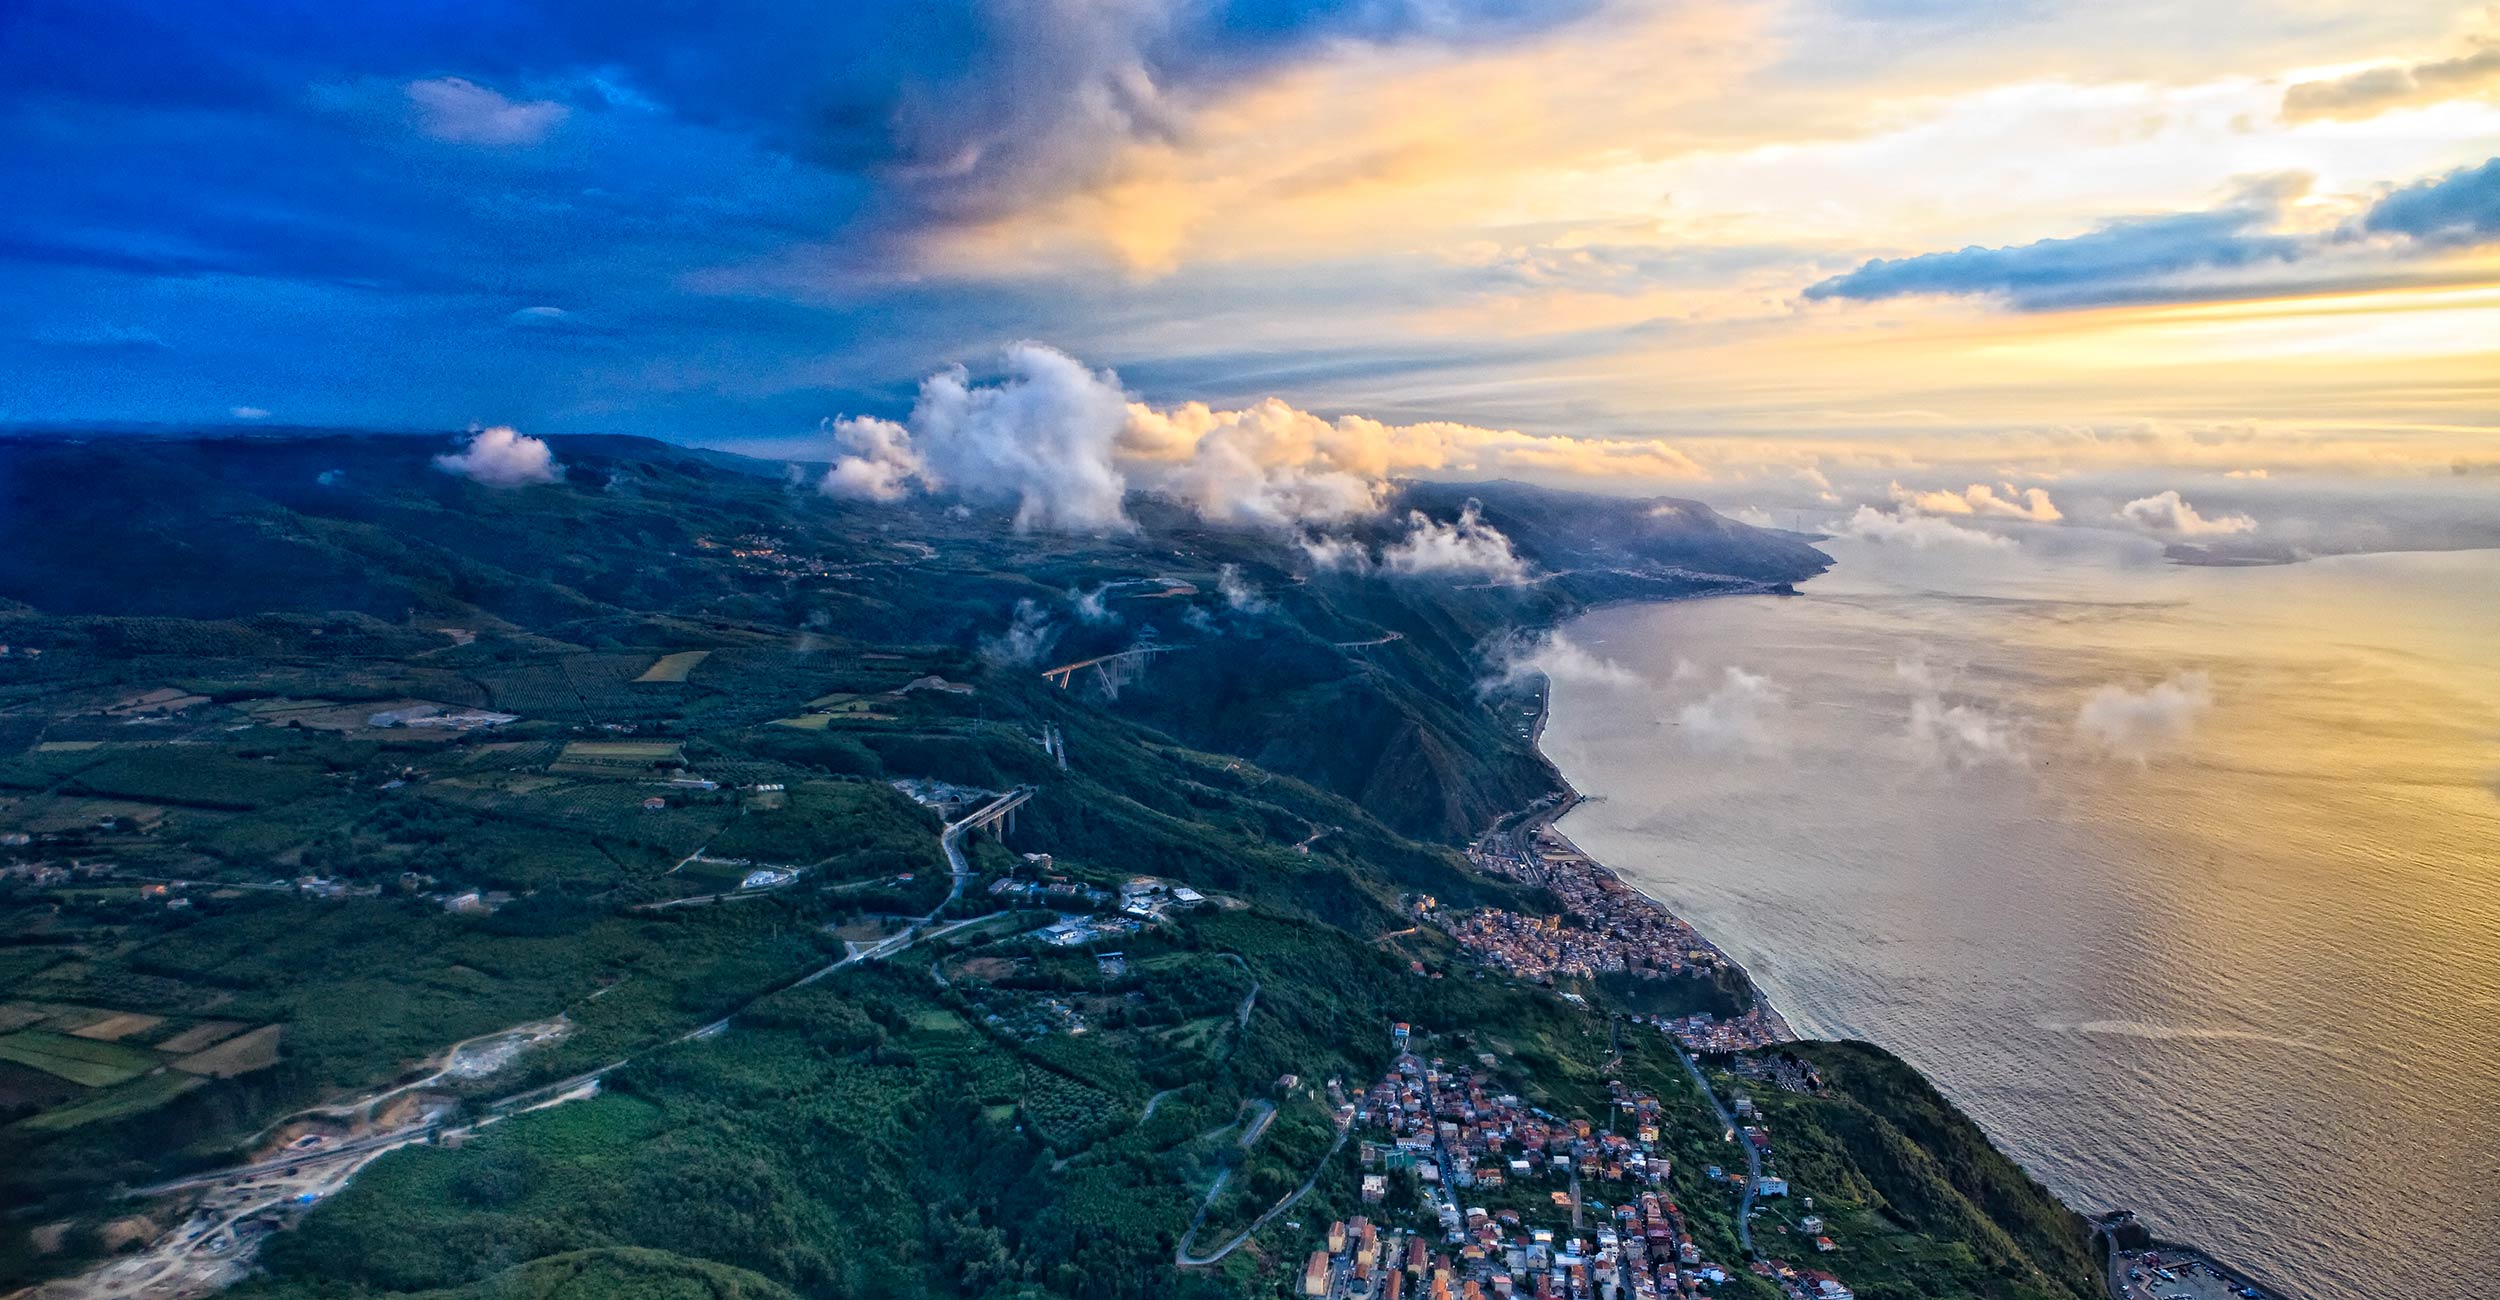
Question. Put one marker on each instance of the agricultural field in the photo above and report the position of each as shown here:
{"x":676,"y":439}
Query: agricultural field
{"x":80,"y":1060}
{"x":198,"y":1037}
{"x":242,"y":1054}
{"x":134,"y":1097}
{"x":617,"y":757}
{"x":25,"y":1090}
{"x":118,"y":1026}
{"x":674,"y":667}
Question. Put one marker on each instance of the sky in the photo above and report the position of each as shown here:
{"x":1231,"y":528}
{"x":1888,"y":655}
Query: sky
{"x":1960,"y":263}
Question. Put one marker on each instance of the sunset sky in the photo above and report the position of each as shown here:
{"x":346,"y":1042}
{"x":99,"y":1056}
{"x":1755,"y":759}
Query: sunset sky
{"x":1947,"y":244}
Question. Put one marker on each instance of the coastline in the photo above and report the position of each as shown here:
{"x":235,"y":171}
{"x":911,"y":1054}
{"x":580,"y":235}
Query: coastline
{"x":1538,"y":825}
{"x":1539,"y":822}
{"x":2123,"y":1244}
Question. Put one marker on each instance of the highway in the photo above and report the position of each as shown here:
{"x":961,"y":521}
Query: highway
{"x":951,"y":840}
{"x":1064,"y":674}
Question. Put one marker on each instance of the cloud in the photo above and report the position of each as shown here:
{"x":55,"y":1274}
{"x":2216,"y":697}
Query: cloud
{"x":1918,"y":532}
{"x":1271,"y":463}
{"x":1953,"y":735}
{"x":1238,"y":594}
{"x":1960,"y":735}
{"x":2031,"y":504}
{"x":1067,"y":443}
{"x":2459,"y":209}
{"x":500,"y":457}
{"x":460,"y":111}
{"x":2382,"y":89}
{"x":1522,"y":659}
{"x":2082,"y":269}
{"x":2169,"y":513}
{"x":2140,"y":725}
{"x":2231,"y":251}
{"x":1029,"y":636}
{"x":554,"y":322}
{"x":877,"y":461}
{"x":1466,"y":546}
{"x":1093,"y":608}
{"x":1335,"y":554}
{"x":1043,"y":437}
{"x":104,"y":338}
{"x":249,"y":412}
{"x":1737,"y":715}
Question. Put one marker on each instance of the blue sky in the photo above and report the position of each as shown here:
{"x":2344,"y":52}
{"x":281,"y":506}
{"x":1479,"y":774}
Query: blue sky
{"x":1800,"y":227}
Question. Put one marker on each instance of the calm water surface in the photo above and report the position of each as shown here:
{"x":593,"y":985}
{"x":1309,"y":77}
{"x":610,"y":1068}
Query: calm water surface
{"x":2222,"y":945}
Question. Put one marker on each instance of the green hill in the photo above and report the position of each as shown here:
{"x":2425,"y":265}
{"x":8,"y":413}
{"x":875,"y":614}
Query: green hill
{"x":987,"y":1114}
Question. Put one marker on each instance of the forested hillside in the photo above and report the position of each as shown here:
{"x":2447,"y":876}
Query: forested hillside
{"x":590,"y":834}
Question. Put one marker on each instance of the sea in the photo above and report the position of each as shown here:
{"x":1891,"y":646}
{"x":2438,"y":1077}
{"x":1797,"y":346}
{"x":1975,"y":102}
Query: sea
{"x":2184,"y":882}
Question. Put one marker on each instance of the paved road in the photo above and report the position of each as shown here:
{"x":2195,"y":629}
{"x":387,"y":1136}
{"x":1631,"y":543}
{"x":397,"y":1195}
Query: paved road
{"x":1753,"y":1158}
{"x":1181,"y":1255}
{"x":951,"y":840}
{"x":179,"y":1252}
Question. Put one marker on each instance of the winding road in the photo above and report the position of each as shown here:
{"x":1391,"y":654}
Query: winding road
{"x":1753,"y":1158}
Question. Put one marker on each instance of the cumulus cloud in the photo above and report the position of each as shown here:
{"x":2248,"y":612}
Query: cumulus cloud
{"x":1522,"y":659}
{"x":1736,"y":715}
{"x":1067,"y":442}
{"x":249,"y":412}
{"x":463,"y":112}
{"x":1917,"y":531}
{"x":1467,"y":546}
{"x":2168,"y":513}
{"x":2140,"y":725}
{"x":500,"y":457}
{"x":2002,"y":502}
{"x":1272,"y":463}
{"x":2391,"y":86}
{"x":1042,"y":437}
{"x":1237,"y":592}
{"x":1028,"y":636}
{"x":877,"y":461}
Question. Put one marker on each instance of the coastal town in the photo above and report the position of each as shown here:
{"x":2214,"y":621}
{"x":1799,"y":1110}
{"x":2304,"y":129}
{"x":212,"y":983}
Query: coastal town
{"x":1605,"y":927}
{"x":1578,"y":1210}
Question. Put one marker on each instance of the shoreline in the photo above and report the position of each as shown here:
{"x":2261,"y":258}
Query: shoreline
{"x":1538,"y":822}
